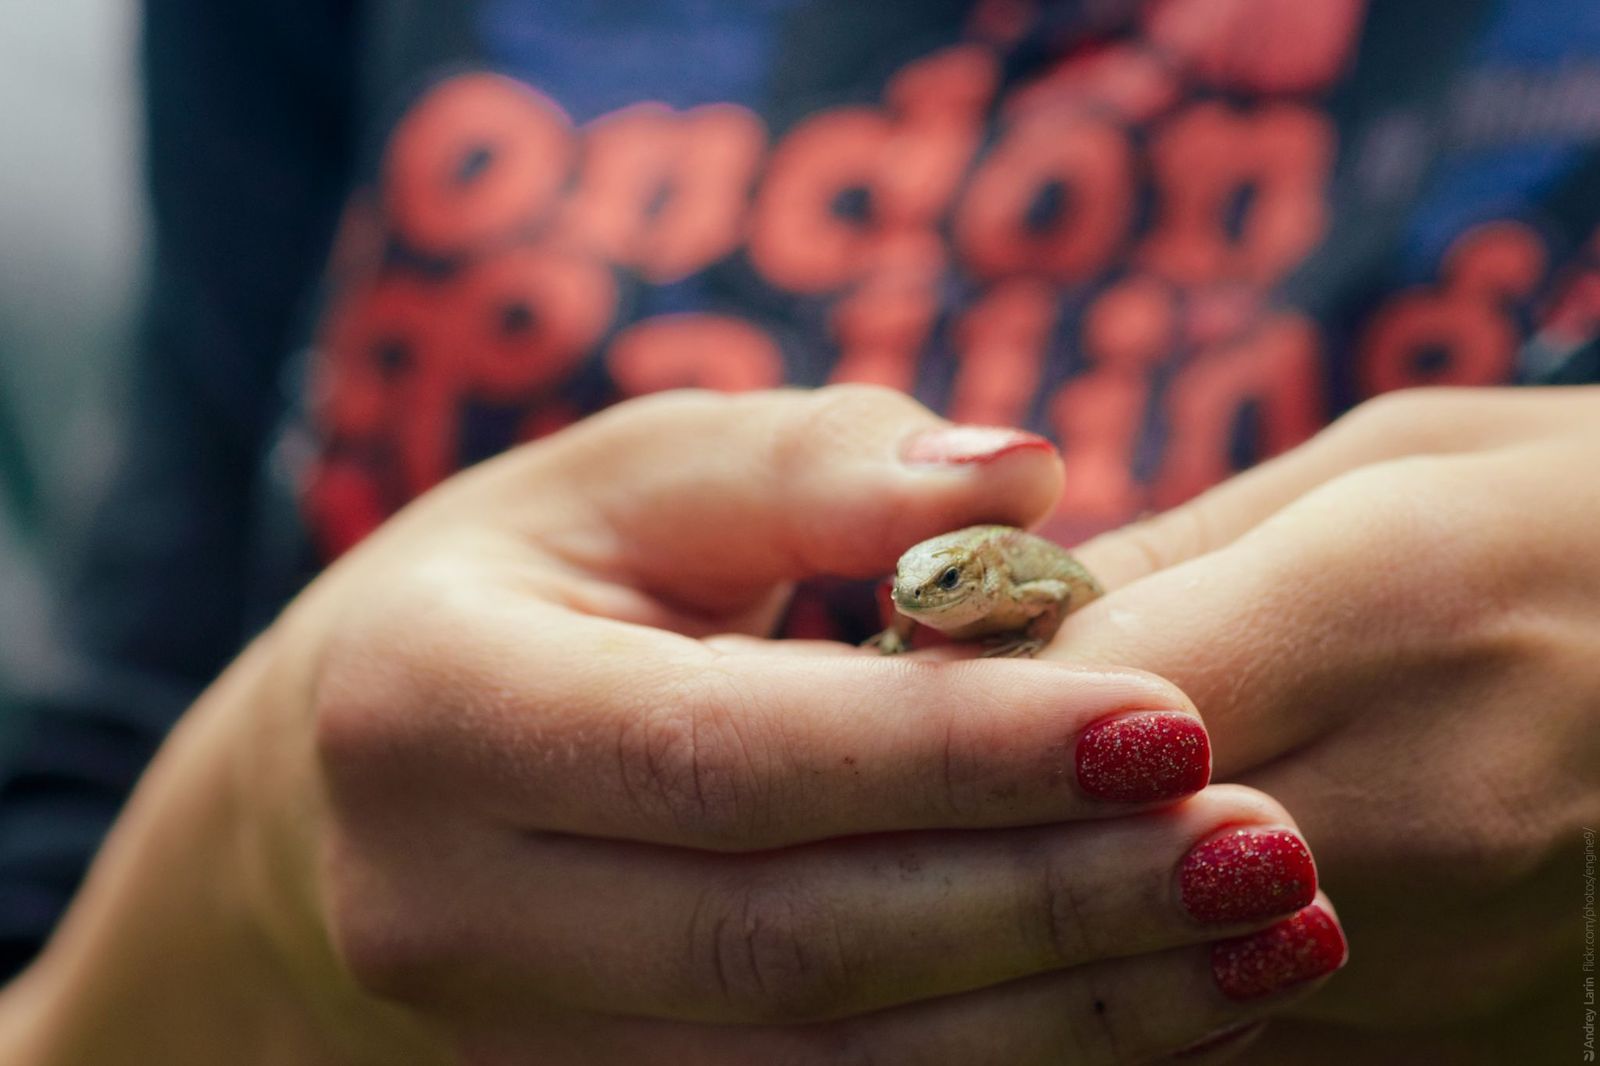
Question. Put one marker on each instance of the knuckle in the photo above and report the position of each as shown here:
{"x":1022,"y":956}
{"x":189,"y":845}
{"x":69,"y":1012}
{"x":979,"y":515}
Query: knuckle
{"x":961,"y":771}
{"x":1401,"y":522}
{"x":1502,"y":854}
{"x":848,"y":405}
{"x":376,"y":959}
{"x":1456,"y":570}
{"x":775,"y":956}
{"x":1388,"y":414}
{"x":973,"y":775}
{"x":1172,"y":536}
{"x":1487,"y":852}
{"x":1068,"y":929}
{"x":842,"y":419}
{"x":348,"y":698}
{"x":1234,"y":804}
{"x":641,"y":420}
{"x":1500,"y":838}
{"x":687,"y":764}
{"x":1143,"y":542}
{"x":375,"y":666}
{"x":375,"y":679}
{"x":1409,"y":419}
{"x":343,"y":719}
{"x":1152,"y":544}
{"x":803,"y":452}
{"x":386,"y":946}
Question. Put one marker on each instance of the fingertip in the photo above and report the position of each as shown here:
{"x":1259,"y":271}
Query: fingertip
{"x":928,"y":478}
{"x":968,"y":445}
{"x":1144,"y":757}
{"x":1325,"y":904}
{"x":1219,"y":1046}
{"x":1288,"y":956}
{"x":1246,"y":873}
{"x":1119,"y":557}
{"x":979,"y":475}
{"x":1239,"y":804}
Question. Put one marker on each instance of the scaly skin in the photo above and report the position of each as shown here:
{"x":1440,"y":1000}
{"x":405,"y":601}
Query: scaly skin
{"x":994,"y":582}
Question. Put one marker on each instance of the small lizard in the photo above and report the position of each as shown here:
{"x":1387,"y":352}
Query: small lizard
{"x":987,"y":581}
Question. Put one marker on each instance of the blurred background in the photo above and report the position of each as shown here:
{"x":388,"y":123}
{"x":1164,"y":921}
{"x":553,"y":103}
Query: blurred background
{"x":71,"y":240}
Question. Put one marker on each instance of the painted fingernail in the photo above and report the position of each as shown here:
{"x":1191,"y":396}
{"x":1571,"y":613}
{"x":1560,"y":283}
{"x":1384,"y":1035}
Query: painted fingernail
{"x":1244,"y":875}
{"x":1230,"y":1037}
{"x":963,"y":445}
{"x":1143,"y":757}
{"x":1298,"y":949}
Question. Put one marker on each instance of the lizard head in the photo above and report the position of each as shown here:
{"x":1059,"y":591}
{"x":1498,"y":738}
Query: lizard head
{"x":943,"y":585}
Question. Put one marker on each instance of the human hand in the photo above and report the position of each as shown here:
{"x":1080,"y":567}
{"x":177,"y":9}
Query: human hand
{"x":493,"y":789}
{"x":1395,"y":632}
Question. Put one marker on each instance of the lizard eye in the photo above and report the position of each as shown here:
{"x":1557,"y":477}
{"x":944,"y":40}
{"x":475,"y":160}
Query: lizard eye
{"x":950,"y":578}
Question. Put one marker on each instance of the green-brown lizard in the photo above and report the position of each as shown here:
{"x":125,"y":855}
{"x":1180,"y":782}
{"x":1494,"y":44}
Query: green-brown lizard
{"x":987,"y":581}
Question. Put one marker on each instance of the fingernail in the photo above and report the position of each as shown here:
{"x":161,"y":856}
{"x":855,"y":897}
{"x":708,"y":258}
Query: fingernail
{"x":1296,"y":950}
{"x":962,"y":445}
{"x":1140,"y":758}
{"x":1247,"y":874}
{"x":1231,"y":1036}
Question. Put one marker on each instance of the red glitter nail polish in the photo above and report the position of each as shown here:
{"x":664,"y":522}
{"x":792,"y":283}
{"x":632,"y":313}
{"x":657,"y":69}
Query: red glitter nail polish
{"x":961,"y":445}
{"x":1144,"y":757}
{"x":1244,"y":875}
{"x":1298,"y":949}
{"x":1230,"y":1037}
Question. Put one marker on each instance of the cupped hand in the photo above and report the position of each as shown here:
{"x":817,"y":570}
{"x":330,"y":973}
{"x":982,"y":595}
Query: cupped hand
{"x":493,"y":791}
{"x":1395,"y":632}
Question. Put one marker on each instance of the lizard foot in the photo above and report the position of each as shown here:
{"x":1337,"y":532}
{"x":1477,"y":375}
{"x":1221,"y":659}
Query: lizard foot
{"x":1011,"y":648}
{"x":888,"y":642}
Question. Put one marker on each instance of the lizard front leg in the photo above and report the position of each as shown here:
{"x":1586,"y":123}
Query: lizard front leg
{"x":895,"y":639}
{"x":1046,"y":600}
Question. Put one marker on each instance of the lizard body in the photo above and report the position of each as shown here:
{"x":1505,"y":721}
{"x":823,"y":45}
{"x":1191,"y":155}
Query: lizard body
{"x":994,"y":582}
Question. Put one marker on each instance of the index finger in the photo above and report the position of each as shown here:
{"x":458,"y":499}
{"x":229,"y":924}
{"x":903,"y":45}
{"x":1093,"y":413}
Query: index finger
{"x":1364,"y":586}
{"x":1428,"y":421}
{"x":562,"y":722}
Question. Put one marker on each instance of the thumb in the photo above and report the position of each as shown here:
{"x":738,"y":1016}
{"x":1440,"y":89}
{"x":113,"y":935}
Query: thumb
{"x":709,"y":500}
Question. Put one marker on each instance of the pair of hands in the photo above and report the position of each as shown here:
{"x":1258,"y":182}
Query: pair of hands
{"x":508,"y":784}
